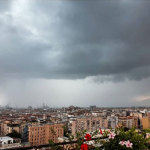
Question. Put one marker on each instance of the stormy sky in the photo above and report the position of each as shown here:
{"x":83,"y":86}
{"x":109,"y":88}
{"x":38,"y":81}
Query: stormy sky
{"x":80,"y":53}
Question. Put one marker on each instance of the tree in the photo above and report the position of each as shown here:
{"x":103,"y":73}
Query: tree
{"x":14,"y":134}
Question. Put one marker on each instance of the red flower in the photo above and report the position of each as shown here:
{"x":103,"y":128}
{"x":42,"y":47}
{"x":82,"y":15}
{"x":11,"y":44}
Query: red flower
{"x":101,"y":131}
{"x":84,"y":147}
{"x":88,"y":137}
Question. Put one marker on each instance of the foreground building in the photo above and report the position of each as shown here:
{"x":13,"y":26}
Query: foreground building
{"x":41,"y":134}
{"x":89,"y":124}
{"x":112,"y":121}
{"x":146,"y":122}
{"x":8,"y":127}
{"x":7,"y":142}
{"x":128,"y":121}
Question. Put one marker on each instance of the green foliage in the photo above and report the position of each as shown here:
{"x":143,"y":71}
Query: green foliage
{"x":14,"y":134}
{"x":138,"y":140}
{"x":52,"y":130}
{"x":126,"y":129}
{"x":146,"y":130}
{"x":52,"y":145}
{"x":122,"y":134}
{"x":65,"y":131}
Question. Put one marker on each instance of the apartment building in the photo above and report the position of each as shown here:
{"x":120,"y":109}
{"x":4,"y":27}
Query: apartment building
{"x":146,"y":122}
{"x":89,"y":123}
{"x":97,"y":113}
{"x":11,"y":127}
{"x":137,"y":114}
{"x":128,"y":121}
{"x":4,"y":127}
{"x":8,"y":126}
{"x":41,"y":134}
{"x":112,"y":121}
{"x":22,"y":126}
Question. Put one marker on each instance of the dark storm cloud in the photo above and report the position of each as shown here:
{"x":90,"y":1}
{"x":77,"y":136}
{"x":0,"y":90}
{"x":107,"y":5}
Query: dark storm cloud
{"x":76,"y":39}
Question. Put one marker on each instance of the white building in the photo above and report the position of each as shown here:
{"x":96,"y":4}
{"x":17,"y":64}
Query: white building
{"x":6,"y":140}
{"x":112,"y":121}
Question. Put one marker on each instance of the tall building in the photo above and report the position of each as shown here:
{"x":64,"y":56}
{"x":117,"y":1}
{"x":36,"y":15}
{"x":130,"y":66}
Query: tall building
{"x":8,"y":127}
{"x":139,"y":115}
{"x":89,"y":124}
{"x":146,"y":122}
{"x":41,"y":134}
{"x":128,"y":121}
{"x":112,"y":121}
{"x":92,"y":107}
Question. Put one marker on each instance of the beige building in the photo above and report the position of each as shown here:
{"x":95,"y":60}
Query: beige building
{"x":22,"y":126}
{"x":41,"y":134}
{"x":146,"y":122}
{"x":89,"y":123}
{"x":137,"y":114}
{"x":9,"y":126}
{"x":5,"y":127}
{"x":128,"y":121}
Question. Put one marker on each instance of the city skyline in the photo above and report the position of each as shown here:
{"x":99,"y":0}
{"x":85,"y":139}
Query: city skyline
{"x":79,"y":53}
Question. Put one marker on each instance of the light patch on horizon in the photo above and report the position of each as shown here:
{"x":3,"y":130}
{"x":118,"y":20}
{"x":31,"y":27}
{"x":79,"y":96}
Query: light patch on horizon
{"x":142,"y":98}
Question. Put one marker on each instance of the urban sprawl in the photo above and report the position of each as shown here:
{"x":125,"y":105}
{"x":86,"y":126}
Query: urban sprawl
{"x":23,"y":127}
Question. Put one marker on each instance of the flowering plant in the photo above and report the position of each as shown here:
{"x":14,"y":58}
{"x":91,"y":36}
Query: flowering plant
{"x":87,"y":137}
{"x":84,"y":147}
{"x":118,"y":139}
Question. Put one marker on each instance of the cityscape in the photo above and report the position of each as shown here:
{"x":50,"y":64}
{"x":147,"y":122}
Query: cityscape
{"x":74,"y":74}
{"x":33,"y":125}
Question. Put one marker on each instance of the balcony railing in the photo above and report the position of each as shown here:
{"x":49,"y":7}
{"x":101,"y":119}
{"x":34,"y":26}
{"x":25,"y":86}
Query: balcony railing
{"x":55,"y":144}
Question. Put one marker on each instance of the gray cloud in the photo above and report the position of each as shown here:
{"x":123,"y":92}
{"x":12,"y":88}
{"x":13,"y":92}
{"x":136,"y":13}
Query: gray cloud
{"x":75,"y":39}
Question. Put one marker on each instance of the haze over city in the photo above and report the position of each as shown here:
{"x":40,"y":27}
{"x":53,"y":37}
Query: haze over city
{"x":79,"y":53}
